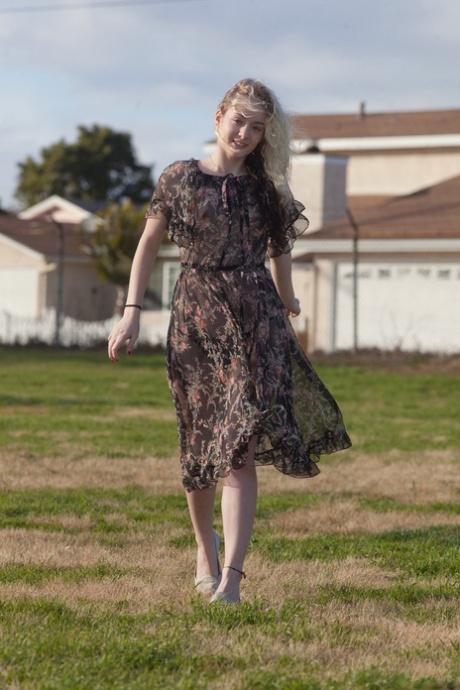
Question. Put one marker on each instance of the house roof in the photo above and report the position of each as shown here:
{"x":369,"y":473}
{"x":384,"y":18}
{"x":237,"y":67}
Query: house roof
{"x":61,"y":210}
{"x":41,"y":236}
{"x":431,"y":213}
{"x":390,"y":124}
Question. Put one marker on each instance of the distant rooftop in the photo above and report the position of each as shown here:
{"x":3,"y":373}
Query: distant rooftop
{"x":364,"y":124}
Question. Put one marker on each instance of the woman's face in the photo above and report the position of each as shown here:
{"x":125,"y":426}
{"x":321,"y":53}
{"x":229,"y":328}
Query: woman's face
{"x":239,"y":131}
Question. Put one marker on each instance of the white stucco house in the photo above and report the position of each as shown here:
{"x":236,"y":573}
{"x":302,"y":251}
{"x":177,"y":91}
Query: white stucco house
{"x":388,"y":276}
{"x":44,"y":269}
{"x":42,"y":262}
{"x":380,"y":266}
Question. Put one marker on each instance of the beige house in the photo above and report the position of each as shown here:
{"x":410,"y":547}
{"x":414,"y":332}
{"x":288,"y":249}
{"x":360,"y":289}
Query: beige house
{"x":388,"y":154}
{"x":42,"y":264}
{"x":387,"y":274}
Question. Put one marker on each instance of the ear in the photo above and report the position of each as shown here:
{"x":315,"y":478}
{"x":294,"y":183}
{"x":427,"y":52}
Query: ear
{"x":218,"y":117}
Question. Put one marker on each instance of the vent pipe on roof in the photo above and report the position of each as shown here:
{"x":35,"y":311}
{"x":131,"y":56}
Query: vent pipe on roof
{"x":362,"y":110}
{"x":313,"y":147}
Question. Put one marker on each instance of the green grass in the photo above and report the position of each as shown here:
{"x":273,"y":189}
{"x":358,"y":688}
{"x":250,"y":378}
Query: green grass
{"x":22,"y":509}
{"x":432,"y":551}
{"x":55,"y":400}
{"x":95,"y":578}
{"x":87,"y":404}
{"x":397,"y":410}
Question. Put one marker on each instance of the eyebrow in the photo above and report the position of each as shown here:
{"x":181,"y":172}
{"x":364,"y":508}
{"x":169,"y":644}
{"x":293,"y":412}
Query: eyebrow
{"x":237,"y":112}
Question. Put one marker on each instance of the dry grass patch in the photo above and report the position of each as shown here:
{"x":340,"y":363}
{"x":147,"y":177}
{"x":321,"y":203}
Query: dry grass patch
{"x":334,"y":639}
{"x":147,"y":412}
{"x":147,"y":572}
{"x":24,"y":472}
{"x":61,"y":550}
{"x":274,"y":582}
{"x":345,"y":517}
{"x":423,"y":478}
{"x":151,"y":413}
{"x":376,"y":637}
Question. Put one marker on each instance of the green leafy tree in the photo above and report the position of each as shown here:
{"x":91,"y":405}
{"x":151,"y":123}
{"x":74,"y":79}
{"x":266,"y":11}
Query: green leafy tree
{"x":112,"y":245}
{"x":100,"y":166}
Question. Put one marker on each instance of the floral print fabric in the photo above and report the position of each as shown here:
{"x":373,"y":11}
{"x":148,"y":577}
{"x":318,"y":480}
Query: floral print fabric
{"x":235,"y":367}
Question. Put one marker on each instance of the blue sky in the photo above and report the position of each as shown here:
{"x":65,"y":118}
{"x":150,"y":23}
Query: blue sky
{"x":159,"y":70}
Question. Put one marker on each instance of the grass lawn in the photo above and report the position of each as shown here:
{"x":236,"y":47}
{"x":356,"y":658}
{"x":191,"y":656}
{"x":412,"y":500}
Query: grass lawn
{"x":353,"y":577}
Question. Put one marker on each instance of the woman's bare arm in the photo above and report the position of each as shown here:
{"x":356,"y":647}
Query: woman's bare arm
{"x":281,"y":268}
{"x":128,"y":328}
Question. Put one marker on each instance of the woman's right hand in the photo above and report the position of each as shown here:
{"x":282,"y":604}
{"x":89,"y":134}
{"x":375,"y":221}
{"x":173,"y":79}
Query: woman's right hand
{"x":126,"y":330}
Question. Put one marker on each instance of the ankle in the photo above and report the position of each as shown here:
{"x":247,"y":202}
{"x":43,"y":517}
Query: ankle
{"x":236,"y":570}
{"x":208,"y":557}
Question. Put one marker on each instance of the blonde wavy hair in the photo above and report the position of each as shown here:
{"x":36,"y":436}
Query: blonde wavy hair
{"x":254,"y":96}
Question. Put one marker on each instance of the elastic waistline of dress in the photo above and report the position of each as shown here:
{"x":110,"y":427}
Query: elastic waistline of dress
{"x":224,"y":269}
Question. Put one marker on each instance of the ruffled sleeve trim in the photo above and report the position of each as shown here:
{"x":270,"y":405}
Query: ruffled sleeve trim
{"x":295,"y":225}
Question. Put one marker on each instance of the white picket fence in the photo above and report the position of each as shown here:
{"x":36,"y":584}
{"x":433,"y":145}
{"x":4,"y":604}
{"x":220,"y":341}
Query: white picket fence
{"x":17,"y":330}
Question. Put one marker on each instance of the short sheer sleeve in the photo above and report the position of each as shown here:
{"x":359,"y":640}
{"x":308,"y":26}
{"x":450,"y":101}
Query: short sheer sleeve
{"x":162,"y":198}
{"x":295,"y":225}
{"x":174,"y":198}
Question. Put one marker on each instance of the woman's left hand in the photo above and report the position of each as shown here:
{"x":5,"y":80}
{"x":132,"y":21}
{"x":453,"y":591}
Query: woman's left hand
{"x":294,"y":308}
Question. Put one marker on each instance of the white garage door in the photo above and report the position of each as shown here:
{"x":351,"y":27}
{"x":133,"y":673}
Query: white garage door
{"x":407,"y":306}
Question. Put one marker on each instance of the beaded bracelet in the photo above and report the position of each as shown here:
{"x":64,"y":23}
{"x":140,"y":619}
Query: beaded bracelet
{"x":138,"y":306}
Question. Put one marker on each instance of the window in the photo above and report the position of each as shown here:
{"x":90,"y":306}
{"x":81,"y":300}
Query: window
{"x":424,"y":272}
{"x":403,"y":272}
{"x":444,"y":273}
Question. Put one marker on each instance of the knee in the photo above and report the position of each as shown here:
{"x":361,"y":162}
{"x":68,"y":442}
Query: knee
{"x":241,"y":475}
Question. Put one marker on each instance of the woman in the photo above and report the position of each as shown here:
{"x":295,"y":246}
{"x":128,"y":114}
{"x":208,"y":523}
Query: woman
{"x":244,"y":391}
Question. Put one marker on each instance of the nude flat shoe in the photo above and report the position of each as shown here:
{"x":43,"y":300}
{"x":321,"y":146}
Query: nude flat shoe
{"x":209,"y":583}
{"x":224,"y":598}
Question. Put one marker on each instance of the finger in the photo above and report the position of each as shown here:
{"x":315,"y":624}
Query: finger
{"x":113,"y":353}
{"x":131,"y":343}
{"x":112,"y":348}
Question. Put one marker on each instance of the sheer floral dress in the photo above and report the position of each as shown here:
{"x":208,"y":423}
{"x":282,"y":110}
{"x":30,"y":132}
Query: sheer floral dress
{"x":235,"y":367}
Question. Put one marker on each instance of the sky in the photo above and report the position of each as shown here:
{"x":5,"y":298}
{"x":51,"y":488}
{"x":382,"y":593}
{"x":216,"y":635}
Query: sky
{"x":158,"y":69}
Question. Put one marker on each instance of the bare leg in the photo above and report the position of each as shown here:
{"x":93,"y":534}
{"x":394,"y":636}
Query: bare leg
{"x":239,"y":500}
{"x":201,"y":509}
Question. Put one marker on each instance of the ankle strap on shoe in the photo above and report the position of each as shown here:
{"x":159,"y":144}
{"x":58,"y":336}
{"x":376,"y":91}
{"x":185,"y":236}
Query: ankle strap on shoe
{"x":243,"y":574}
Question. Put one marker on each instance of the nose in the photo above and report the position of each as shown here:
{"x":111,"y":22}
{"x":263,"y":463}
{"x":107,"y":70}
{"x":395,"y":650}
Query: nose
{"x":244,"y":131}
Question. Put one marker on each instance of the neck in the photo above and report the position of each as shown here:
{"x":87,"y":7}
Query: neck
{"x":221,"y":165}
